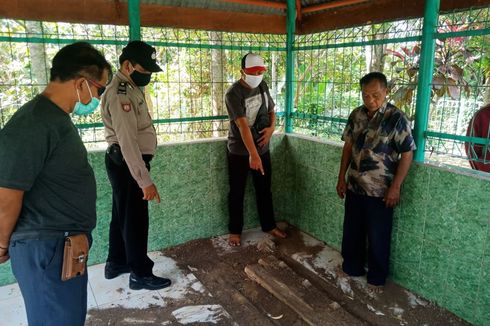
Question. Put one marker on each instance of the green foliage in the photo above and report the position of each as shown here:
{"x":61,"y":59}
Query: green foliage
{"x":457,"y":63}
{"x":195,"y":77}
{"x":327,"y":81}
{"x":192,"y":84}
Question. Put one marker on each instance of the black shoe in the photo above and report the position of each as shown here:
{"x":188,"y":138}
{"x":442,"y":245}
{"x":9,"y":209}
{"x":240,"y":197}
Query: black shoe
{"x":148,"y":282}
{"x":113,"y":270}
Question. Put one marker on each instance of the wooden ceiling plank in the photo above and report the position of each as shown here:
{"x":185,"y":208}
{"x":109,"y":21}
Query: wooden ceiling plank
{"x":330,"y":5}
{"x":115,"y":12}
{"x":108,"y":12}
{"x":260,"y":3}
{"x":376,"y":12}
{"x":299,"y":11}
{"x":179,"y":17}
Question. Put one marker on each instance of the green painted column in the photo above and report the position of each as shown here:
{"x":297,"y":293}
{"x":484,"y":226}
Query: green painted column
{"x":134,"y":20}
{"x":425,"y":76}
{"x":290,"y":29}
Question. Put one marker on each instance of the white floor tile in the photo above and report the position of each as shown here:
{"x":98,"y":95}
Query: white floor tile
{"x":107,"y":291}
{"x":137,"y":301}
{"x":183,"y":282}
{"x":10,"y":291}
{"x":202,"y":314}
{"x":104,"y":294}
{"x":12,"y":312}
{"x":91,"y":302}
{"x":157,"y":257}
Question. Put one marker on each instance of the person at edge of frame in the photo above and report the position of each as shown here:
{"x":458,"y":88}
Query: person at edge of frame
{"x":479,"y":126}
{"x":47,"y":186}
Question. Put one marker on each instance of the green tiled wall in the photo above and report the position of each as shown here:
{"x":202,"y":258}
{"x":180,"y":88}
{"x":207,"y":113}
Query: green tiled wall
{"x":441,"y":236}
{"x":313,"y":167}
{"x":192,"y":179}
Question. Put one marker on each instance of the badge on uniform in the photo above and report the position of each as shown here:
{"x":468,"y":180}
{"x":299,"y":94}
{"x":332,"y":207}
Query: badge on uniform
{"x":121,"y":88}
{"x":126,"y":107}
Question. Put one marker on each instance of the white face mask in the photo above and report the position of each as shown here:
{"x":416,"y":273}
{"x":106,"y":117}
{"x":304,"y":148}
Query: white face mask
{"x":253,"y":81}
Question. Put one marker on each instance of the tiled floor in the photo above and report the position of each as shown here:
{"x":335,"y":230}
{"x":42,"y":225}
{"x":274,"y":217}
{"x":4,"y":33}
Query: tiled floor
{"x":12,"y":306}
{"x":104,"y":293}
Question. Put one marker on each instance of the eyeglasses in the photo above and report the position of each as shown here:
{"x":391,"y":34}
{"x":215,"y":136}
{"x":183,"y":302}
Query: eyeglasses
{"x":100,"y":88}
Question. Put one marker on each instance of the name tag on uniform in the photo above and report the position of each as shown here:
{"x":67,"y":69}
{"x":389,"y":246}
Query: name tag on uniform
{"x":126,"y":107}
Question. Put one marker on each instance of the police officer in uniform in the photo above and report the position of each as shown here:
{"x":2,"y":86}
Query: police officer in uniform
{"x":132,"y":143}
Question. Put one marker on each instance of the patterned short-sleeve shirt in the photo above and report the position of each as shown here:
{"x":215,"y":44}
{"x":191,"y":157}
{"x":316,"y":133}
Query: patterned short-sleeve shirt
{"x":376,"y":148}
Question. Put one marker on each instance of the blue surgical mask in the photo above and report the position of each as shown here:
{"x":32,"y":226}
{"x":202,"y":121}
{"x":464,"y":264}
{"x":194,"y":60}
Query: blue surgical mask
{"x":85,"y":109}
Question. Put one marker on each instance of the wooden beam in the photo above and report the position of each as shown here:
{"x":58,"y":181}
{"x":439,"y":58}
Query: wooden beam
{"x":298,"y":11}
{"x":287,"y":286}
{"x":331,"y":5}
{"x":81,"y":11}
{"x":283,"y":293}
{"x":376,"y":12}
{"x":260,"y":3}
{"x":196,"y":18}
{"x":116,"y":12}
{"x":219,"y":282}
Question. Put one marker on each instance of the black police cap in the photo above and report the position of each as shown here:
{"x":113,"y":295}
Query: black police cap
{"x":142,"y":53}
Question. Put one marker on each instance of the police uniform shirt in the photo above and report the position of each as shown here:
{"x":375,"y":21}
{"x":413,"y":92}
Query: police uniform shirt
{"x":128,"y":123}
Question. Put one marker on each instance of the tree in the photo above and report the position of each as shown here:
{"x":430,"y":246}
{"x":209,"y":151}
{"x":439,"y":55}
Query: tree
{"x":38,"y":64}
{"x":453,"y":68}
{"x":375,"y":54}
{"x":217,"y":91}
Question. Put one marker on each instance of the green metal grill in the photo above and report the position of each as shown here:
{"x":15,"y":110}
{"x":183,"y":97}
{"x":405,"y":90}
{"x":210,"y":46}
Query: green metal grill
{"x":313,"y":78}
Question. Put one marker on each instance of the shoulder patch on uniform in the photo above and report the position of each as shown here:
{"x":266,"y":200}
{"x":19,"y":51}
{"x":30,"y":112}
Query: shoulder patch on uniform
{"x":121,"y":88}
{"x":126,"y":107}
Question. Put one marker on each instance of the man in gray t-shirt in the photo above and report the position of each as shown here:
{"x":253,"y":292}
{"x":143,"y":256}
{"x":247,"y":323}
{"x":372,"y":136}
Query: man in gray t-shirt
{"x":48,"y":188}
{"x":252,"y":120}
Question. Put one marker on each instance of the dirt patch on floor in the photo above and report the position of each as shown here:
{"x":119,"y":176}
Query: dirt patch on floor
{"x":309,"y":271}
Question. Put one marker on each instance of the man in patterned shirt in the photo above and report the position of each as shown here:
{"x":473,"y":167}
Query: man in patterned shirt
{"x":377,"y":153}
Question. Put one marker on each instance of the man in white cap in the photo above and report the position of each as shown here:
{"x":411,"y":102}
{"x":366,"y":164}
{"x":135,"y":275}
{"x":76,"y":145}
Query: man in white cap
{"x":132,"y":143}
{"x":252,"y":121}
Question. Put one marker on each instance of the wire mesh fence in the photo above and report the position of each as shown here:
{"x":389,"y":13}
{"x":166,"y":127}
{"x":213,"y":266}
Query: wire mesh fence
{"x":330,"y":64}
{"x":198,"y":68}
{"x":187,"y":98}
{"x":27,"y":48}
{"x":460,"y":85}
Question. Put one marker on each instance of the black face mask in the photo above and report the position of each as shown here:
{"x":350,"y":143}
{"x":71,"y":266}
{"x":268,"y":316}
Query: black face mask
{"x":140,"y":79}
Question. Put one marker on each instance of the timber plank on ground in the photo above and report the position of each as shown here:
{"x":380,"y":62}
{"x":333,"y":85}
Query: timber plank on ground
{"x":314,"y":307}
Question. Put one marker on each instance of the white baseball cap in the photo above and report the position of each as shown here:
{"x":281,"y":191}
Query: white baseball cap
{"x":252,"y":63}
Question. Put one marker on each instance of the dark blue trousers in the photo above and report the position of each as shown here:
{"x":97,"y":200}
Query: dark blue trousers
{"x":37,"y":265}
{"x":367,"y":218}
{"x":128,"y":232}
{"x":238,"y":169}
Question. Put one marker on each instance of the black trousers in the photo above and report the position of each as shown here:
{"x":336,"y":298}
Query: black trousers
{"x":367,"y":218}
{"x":238,"y":168}
{"x":128,"y":235}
